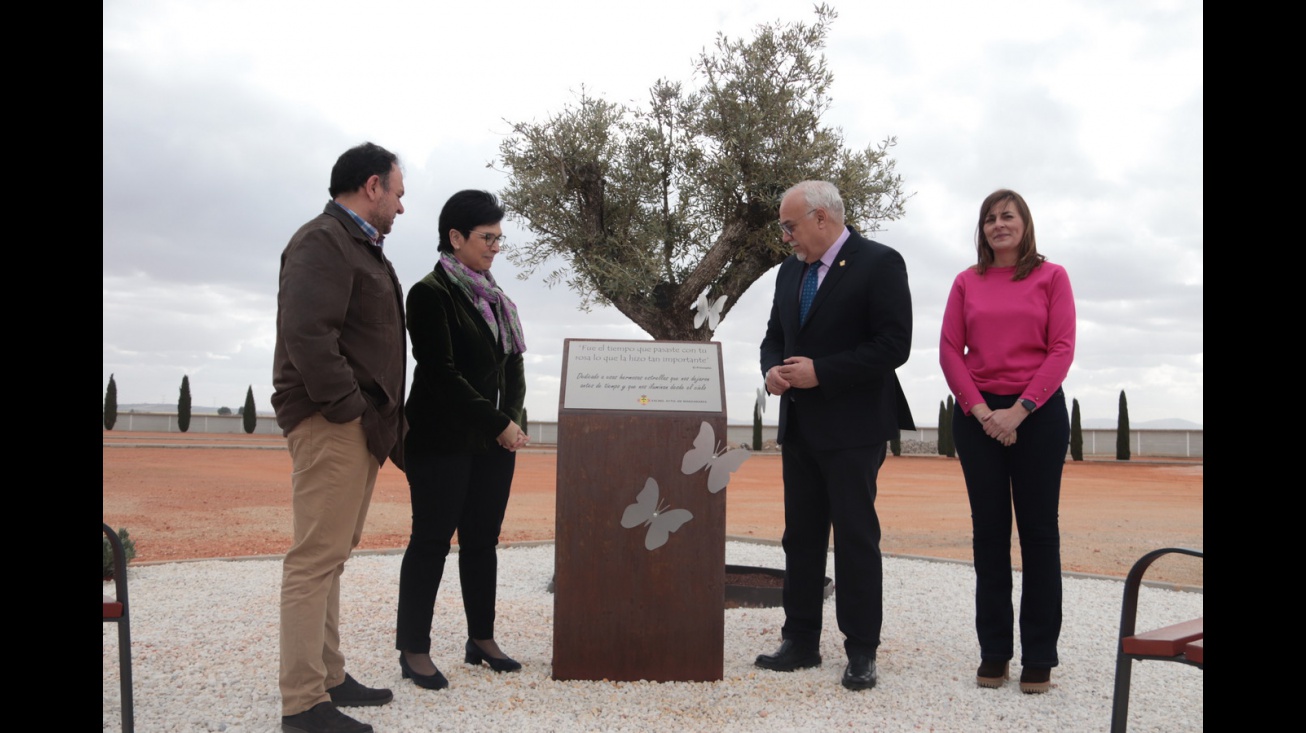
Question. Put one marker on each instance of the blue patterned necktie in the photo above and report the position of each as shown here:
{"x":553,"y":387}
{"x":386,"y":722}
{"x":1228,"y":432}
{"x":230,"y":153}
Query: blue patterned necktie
{"x":809,"y":291}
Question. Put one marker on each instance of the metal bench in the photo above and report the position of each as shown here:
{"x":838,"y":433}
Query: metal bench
{"x":117,"y":611}
{"x":1180,"y":642}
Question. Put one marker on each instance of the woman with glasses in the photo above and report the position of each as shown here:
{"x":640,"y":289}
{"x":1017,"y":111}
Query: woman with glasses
{"x":464,"y":426}
{"x":1007,"y":343}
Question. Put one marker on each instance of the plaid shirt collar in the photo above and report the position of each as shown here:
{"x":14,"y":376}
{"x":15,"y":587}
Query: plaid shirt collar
{"x":372,"y":234}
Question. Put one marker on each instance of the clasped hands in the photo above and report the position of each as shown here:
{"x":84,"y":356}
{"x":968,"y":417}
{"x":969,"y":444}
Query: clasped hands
{"x":1000,"y":424}
{"x":796,"y":371}
{"x":513,"y":437}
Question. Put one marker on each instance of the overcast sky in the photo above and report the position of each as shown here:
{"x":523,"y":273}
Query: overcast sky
{"x":222,"y":121}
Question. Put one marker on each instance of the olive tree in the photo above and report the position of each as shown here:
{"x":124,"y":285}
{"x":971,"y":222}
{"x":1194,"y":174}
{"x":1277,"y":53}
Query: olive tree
{"x":647,"y":207}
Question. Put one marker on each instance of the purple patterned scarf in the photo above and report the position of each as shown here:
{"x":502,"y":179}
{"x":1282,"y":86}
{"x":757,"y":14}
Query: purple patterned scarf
{"x":495,"y":307}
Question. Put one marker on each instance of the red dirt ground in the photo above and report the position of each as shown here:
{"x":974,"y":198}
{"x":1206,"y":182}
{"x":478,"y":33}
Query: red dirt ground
{"x":184,"y":496}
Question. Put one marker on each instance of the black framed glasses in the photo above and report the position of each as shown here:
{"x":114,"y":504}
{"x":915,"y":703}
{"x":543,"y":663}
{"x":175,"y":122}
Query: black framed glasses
{"x":489,"y":237}
{"x":788,"y":228}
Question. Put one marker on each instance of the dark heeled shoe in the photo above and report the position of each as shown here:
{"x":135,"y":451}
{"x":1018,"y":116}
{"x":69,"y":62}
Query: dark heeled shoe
{"x":429,"y":681}
{"x":499,"y":664}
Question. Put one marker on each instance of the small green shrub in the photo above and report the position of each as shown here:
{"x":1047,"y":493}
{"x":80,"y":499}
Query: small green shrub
{"x":128,"y":548}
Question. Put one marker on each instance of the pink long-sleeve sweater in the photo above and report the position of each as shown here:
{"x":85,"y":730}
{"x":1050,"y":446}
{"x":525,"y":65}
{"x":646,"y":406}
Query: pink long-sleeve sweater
{"x":1007,"y":337}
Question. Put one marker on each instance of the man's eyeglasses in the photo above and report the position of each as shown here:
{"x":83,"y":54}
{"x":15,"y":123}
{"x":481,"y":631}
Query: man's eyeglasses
{"x":788,"y":227}
{"x":489,"y":237}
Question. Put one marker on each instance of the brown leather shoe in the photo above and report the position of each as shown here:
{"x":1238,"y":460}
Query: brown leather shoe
{"x":992,"y":674}
{"x":1035,"y":680}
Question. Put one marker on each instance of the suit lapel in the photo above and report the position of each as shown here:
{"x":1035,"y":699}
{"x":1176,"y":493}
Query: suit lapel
{"x":787,"y":286}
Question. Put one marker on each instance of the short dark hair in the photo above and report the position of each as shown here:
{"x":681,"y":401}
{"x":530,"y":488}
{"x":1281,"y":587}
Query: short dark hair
{"x":359,"y":163}
{"x":465,"y":211}
{"x":1027,"y":256}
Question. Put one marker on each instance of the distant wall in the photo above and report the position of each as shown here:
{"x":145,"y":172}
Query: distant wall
{"x":166,"y":422}
{"x":1159,"y":443}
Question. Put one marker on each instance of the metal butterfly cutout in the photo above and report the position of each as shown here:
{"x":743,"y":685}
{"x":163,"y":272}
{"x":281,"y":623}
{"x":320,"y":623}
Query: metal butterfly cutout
{"x":719,"y":465}
{"x":650,"y":511}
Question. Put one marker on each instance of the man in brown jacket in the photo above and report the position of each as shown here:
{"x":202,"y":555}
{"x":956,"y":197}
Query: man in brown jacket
{"x":338,"y":377}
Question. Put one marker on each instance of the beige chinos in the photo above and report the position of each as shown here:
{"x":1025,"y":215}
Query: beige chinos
{"x":334,"y":474}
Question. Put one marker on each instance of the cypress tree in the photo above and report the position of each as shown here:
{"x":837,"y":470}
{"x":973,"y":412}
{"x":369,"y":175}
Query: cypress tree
{"x":943,"y":427}
{"x":757,"y":426}
{"x":895,"y":443}
{"x":524,"y":429}
{"x":1076,"y":433}
{"x":950,"y":449}
{"x":1122,"y":430}
{"x":183,"y":405}
{"x":248,"y":413}
{"x":110,"y":404}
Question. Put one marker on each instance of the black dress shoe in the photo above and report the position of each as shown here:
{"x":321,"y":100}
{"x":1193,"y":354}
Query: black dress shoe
{"x":322,"y":718}
{"x":429,"y":681}
{"x":351,"y":693}
{"x":860,"y":672}
{"x":790,"y":656}
{"x":475,"y":655}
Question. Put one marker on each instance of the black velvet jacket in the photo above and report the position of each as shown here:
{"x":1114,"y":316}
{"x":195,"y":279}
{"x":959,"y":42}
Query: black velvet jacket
{"x":465,"y":389}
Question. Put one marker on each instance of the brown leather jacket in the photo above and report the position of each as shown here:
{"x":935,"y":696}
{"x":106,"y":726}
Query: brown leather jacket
{"x":341,"y":342}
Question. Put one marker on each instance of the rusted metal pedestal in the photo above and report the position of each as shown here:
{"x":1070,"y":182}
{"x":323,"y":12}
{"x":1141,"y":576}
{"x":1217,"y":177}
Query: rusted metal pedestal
{"x":623,"y":611}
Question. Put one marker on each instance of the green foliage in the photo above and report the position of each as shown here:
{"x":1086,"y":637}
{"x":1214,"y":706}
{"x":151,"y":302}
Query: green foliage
{"x":110,"y":404}
{"x":183,"y":405}
{"x":950,"y":443}
{"x":649,"y":206}
{"x":943,"y":428}
{"x":757,"y":426}
{"x":524,"y":422}
{"x":128,"y":548}
{"x":1076,"y":433}
{"x":895,"y":443}
{"x":225,"y":410}
{"x":1122,"y":430}
{"x":248,"y":414}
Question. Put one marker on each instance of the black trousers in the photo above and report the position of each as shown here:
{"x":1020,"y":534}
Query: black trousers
{"x":1026,"y":476}
{"x":452,"y":492}
{"x":824,"y":488}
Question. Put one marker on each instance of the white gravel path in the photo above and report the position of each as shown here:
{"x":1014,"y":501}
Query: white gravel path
{"x":204,"y":651}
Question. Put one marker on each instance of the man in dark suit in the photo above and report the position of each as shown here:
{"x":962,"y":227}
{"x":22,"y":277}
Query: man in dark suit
{"x":840,"y":324}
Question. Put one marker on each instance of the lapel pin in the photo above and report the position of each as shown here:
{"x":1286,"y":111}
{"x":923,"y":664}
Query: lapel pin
{"x":843,"y":262}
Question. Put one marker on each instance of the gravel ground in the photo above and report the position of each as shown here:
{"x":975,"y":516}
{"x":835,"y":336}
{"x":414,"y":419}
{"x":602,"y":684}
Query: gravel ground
{"x":204,"y":651}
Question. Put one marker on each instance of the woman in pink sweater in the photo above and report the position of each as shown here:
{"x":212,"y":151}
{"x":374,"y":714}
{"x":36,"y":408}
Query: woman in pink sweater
{"x":1008,"y":341}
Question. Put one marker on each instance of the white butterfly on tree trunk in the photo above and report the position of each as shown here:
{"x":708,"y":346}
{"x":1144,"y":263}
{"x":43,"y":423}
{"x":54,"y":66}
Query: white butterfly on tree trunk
{"x":709,"y":311}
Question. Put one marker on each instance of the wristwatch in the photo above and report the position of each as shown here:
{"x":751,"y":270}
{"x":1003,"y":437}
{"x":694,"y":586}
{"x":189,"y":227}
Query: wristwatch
{"x":1029,"y":405}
